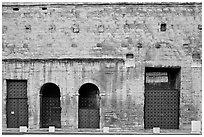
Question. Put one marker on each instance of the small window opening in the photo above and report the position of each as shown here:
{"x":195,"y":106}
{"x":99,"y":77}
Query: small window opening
{"x":15,"y":9}
{"x":129,"y":56}
{"x":163,"y":27}
{"x":44,"y":8}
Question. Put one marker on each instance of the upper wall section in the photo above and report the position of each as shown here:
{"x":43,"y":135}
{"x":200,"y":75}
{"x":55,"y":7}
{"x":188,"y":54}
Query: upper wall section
{"x":56,"y":30}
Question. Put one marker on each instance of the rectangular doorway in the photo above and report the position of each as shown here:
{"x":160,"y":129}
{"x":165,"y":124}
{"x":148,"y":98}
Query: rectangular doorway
{"x":16,"y":105}
{"x":162,"y":94}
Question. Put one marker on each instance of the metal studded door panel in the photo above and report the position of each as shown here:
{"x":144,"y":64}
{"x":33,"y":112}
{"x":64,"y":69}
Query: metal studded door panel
{"x":94,"y":118}
{"x":23,"y":112}
{"x":45,"y":112}
{"x":162,"y":108}
{"x":16,"y":89}
{"x":87,"y":102}
{"x":12,"y":113}
{"x":88,"y":112}
{"x":51,"y":112}
{"x":17,"y":107}
{"x":88,"y":118}
{"x":84,"y":118}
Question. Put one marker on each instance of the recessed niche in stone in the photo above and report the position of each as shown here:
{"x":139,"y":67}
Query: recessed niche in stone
{"x":52,"y":28}
{"x":25,"y":45}
{"x":129,"y":40}
{"x":123,"y":44}
{"x":99,"y":45}
{"x":126,"y":26}
{"x":15,"y":9}
{"x":163,"y":27}
{"x":139,"y":45}
{"x":129,"y":62}
{"x":101,"y":28}
{"x":75,"y":28}
{"x":28,"y":28}
{"x":200,"y":27}
{"x":196,"y":55}
{"x":123,"y":14}
{"x":185,"y":45}
{"x":4,"y":29}
{"x":74,"y":45}
{"x":157,"y":45}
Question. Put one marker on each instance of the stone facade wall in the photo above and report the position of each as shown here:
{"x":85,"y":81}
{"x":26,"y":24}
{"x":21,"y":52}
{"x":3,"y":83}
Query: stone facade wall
{"x":70,"y":44}
{"x":197,"y":90}
{"x":108,"y":75}
{"x":100,"y":30}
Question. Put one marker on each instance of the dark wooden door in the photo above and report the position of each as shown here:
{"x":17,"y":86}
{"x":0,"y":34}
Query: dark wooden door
{"x":162,"y":94}
{"x":16,"y":106}
{"x":161,"y":108}
{"x":51,"y":112}
{"x":88,"y":112}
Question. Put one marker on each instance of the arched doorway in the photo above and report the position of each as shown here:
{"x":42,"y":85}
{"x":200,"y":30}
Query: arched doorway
{"x":89,"y":105}
{"x":50,"y":110}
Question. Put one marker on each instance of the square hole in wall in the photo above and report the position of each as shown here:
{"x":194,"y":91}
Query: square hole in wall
{"x":44,"y":8}
{"x":15,"y":9}
{"x":129,"y":56}
{"x":163,"y":27}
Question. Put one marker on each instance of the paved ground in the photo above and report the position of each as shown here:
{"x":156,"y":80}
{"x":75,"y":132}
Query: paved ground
{"x":88,"y":132}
